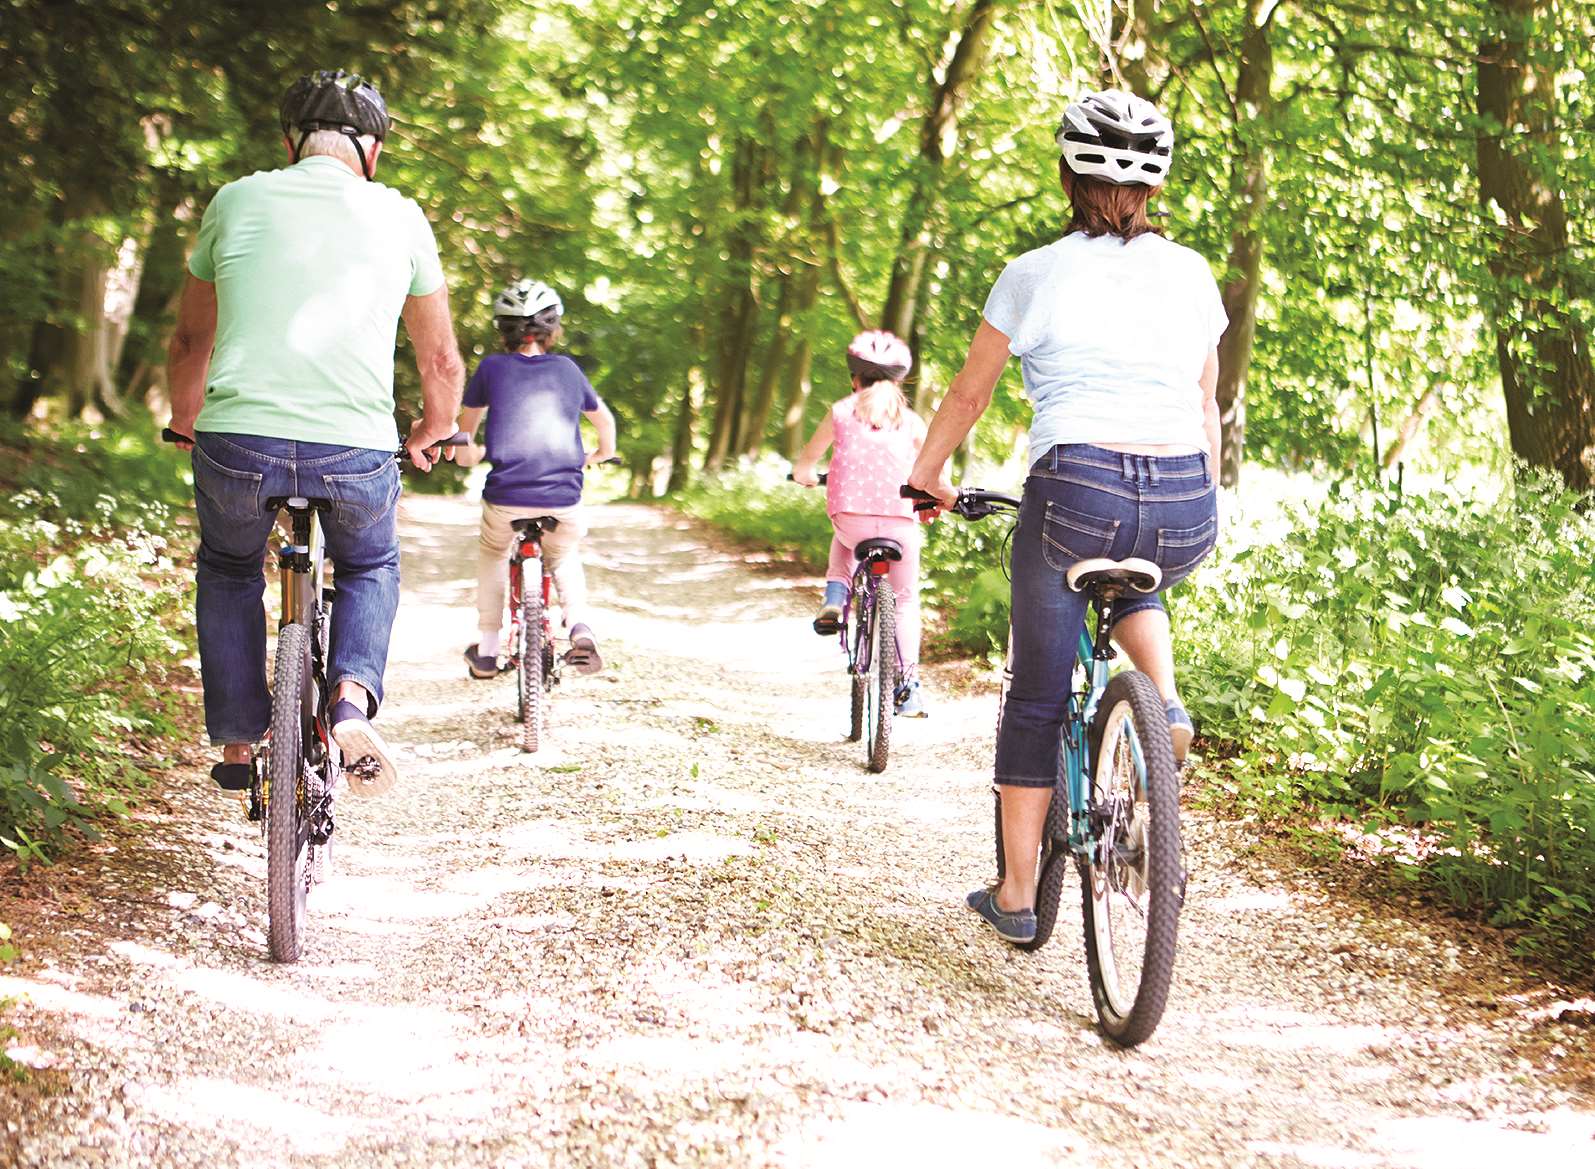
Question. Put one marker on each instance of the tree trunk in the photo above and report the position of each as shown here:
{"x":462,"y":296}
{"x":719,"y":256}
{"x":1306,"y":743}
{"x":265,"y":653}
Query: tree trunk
{"x":938,"y":141}
{"x":1249,"y":197}
{"x":686,"y":423}
{"x":1410,"y":428}
{"x":1542,"y":349}
{"x":757,"y":418}
{"x":741,"y":307}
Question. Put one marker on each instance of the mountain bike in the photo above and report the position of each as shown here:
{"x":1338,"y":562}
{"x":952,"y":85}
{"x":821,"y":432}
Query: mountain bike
{"x":294,"y":772}
{"x":1115,"y":807}
{"x":531,"y":642}
{"x":870,"y":642}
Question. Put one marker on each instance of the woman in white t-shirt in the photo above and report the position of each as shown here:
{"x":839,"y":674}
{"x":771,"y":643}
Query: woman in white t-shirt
{"x":1116,"y":329}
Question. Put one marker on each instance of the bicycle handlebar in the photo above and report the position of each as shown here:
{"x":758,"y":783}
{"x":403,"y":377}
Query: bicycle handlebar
{"x":821,"y":477}
{"x":974,"y":503}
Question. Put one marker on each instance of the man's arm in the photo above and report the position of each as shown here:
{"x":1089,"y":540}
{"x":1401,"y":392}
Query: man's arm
{"x":1210,"y":418}
{"x":188,"y":353}
{"x":604,"y":423}
{"x":437,"y":359}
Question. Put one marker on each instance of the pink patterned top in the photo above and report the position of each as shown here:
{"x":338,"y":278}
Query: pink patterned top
{"x":868,"y":465}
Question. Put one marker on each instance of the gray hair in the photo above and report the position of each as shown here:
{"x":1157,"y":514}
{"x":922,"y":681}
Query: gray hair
{"x":335,"y":144}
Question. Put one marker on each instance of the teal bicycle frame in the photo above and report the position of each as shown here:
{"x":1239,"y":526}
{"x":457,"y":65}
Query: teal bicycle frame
{"x":1074,"y":753}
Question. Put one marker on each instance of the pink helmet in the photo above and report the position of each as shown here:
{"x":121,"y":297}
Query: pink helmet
{"x":881,"y":354}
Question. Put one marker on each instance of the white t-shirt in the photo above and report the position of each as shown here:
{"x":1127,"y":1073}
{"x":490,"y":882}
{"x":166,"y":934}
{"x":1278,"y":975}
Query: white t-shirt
{"x":1111,"y":337}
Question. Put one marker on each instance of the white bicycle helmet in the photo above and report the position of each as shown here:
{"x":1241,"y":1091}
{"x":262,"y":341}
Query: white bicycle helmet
{"x":527,"y":298}
{"x":880,"y":355}
{"x":1117,"y":136}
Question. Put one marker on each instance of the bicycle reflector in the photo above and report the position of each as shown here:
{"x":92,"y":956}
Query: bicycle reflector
{"x":880,"y":567}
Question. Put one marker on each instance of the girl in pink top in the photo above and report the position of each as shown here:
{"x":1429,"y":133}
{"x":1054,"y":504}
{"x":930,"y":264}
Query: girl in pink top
{"x":876,"y":436}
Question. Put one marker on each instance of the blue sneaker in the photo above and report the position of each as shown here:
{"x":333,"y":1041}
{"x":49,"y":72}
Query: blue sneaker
{"x":1180,"y":730}
{"x":910,"y":702}
{"x":1018,"y":927}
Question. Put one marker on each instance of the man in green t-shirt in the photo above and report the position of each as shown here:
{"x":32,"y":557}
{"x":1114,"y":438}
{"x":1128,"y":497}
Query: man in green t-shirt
{"x":281,"y":368}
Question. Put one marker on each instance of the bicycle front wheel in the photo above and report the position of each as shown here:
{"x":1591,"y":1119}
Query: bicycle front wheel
{"x":880,"y":690}
{"x":1134,"y":877}
{"x":532,"y":695}
{"x":287,"y":824}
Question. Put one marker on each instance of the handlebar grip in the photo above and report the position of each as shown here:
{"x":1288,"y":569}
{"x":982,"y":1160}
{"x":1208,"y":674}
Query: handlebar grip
{"x":612,"y":461}
{"x":821,"y":477}
{"x":170,"y":435}
{"x":907,"y":492}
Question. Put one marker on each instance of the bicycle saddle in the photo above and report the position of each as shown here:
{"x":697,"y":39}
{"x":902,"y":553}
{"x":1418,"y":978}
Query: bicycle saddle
{"x":878,"y":546}
{"x":1101,"y":573}
{"x":542,"y":523}
{"x":297,"y":503}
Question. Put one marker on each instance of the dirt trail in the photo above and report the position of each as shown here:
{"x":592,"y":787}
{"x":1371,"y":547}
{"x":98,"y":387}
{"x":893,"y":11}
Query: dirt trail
{"x":695,"y":932}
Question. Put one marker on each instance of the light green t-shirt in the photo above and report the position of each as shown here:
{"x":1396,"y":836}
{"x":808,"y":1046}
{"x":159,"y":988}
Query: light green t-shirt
{"x":312,"y":265}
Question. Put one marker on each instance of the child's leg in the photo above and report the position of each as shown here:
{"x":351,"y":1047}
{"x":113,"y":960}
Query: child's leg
{"x":562,"y":554}
{"x":904,"y":578}
{"x":492,"y":574}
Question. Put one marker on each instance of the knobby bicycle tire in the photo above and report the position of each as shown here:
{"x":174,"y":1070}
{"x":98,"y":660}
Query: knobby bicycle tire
{"x":532,"y":695}
{"x":287,"y":832}
{"x":883,"y":676}
{"x":1130,"y":696}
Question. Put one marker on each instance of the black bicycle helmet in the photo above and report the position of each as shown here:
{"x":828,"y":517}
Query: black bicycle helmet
{"x":331,"y":99}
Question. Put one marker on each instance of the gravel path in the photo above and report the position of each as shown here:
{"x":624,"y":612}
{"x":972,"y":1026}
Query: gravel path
{"x":697,"y":933}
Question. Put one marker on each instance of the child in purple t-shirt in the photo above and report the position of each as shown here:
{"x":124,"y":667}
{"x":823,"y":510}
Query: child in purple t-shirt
{"x":534,"y":401}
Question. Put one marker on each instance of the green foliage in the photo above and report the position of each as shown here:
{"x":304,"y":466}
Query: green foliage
{"x":1429,"y":665}
{"x":87,"y":596}
{"x":757,"y":503}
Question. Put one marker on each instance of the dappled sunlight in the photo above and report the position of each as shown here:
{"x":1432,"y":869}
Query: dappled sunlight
{"x":869,"y":1136}
{"x":246,"y":1113}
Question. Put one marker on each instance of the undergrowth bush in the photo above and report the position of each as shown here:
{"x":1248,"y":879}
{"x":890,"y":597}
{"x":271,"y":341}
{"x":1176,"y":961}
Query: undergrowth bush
{"x":88,"y":599}
{"x":1428,"y":665}
{"x":1419,"y":663}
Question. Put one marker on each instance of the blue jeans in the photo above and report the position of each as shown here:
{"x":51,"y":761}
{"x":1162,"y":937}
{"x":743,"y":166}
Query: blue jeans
{"x":234,"y":475}
{"x":1082,"y":502}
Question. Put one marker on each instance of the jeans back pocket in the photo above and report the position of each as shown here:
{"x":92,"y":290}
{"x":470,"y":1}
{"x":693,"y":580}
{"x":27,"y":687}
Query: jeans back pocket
{"x":362,"y":499}
{"x":1067,"y":537}
{"x":230,"y":494}
{"x":1179,"y":550}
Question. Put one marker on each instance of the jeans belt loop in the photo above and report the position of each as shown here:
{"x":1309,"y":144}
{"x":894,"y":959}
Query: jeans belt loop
{"x":1126,"y":468}
{"x":1151,"y":470}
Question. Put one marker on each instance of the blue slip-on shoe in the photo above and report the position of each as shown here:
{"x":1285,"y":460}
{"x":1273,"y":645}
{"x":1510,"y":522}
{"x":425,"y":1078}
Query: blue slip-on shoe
{"x":1018,"y":927}
{"x":1180,"y":730}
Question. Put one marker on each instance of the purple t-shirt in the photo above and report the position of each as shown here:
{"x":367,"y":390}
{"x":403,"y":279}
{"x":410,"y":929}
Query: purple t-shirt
{"x":534,"y":440}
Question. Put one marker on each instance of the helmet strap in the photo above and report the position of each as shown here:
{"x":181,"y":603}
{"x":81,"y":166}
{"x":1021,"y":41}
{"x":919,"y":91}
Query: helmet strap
{"x":353,"y":135}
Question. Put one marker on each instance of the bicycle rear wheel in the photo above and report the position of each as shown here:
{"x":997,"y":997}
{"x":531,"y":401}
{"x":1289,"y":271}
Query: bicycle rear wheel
{"x":532,"y":695}
{"x":1133,"y":879}
{"x":880,"y":690}
{"x":287,"y":826}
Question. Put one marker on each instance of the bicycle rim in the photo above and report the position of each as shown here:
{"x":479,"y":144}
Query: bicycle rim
{"x":1133,"y":877}
{"x":287,"y":829}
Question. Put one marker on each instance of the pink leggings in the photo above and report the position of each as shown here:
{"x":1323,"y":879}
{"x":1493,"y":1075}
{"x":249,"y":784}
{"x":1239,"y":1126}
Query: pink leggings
{"x":904,"y":575}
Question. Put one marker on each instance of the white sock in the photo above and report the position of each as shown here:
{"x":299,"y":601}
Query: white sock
{"x":488,"y":645}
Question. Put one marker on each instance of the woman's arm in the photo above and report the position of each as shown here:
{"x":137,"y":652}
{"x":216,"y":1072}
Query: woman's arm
{"x":809,"y":456}
{"x":1210,"y":419}
{"x":966,"y":400}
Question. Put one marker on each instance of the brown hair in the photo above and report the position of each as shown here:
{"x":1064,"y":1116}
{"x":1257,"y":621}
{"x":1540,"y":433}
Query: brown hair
{"x":1103,"y":208}
{"x":515,"y":337}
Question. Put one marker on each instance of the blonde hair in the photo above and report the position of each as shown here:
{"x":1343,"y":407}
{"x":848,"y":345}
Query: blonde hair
{"x":881,"y":405}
